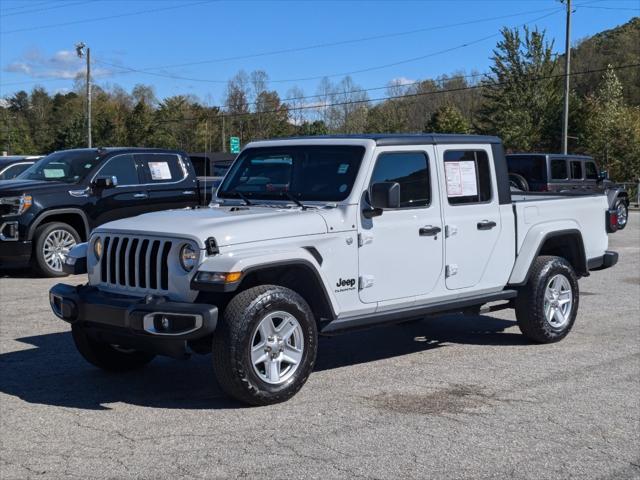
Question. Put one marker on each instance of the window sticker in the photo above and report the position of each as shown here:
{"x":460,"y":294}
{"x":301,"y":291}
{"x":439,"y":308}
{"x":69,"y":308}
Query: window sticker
{"x":342,"y":168}
{"x":160,"y":171}
{"x":462,"y":178}
{"x":53,"y":173}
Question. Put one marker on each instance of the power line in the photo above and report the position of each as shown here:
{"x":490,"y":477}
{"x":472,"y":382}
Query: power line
{"x":614,"y":8}
{"x":19,"y":7}
{"x":24,"y":12}
{"x":109,"y":17}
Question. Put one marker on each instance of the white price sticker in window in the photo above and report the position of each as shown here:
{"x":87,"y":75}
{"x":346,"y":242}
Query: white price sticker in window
{"x":160,"y":171}
{"x":53,"y":173}
{"x":462,"y":179}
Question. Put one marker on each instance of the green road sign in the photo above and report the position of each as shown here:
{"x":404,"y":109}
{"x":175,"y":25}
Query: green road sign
{"x":234,"y":144}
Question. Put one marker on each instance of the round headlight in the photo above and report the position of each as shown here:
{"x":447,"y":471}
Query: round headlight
{"x":188,"y":257}
{"x":97,"y":248}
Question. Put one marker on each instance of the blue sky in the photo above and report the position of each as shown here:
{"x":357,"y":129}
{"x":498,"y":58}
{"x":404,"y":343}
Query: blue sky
{"x":168,"y":37}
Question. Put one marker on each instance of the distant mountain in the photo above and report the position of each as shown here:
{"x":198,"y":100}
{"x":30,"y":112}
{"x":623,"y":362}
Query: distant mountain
{"x":618,"y":46}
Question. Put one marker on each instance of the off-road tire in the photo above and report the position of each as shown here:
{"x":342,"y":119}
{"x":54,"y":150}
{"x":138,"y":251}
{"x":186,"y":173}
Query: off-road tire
{"x":530,"y":300}
{"x":40,"y":235}
{"x":105,"y":356}
{"x":232,"y":342}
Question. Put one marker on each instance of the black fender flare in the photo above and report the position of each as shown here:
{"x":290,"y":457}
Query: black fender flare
{"x":58,"y":211}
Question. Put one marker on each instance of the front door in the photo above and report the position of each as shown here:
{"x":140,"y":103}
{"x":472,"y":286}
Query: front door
{"x":471,"y":212}
{"x":168,"y":182}
{"x":400,"y":254}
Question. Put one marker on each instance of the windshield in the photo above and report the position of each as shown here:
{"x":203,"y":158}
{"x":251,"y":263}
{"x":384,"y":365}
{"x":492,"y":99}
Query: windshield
{"x":320,"y":173}
{"x":67,"y":166}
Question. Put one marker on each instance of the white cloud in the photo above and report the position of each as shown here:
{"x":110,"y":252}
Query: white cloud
{"x":63,"y":64}
{"x":400,"y":81}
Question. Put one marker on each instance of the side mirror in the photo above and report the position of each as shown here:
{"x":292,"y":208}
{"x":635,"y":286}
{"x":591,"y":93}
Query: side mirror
{"x":105,"y":182}
{"x":382,"y":196}
{"x":603,"y":175}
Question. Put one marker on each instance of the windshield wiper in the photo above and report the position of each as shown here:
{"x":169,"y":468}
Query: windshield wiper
{"x":241,"y":196}
{"x":294,"y":199}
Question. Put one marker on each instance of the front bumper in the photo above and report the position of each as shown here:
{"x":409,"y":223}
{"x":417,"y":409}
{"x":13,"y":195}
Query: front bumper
{"x":152,"y":324}
{"x":15,"y":254}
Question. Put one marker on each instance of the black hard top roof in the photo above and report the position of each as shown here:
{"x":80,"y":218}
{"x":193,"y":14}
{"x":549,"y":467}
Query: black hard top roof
{"x":383,"y":139}
{"x":556,"y":155}
{"x":109,"y":150}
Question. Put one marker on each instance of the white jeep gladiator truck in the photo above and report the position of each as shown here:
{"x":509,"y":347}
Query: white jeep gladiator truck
{"x":312,"y":236}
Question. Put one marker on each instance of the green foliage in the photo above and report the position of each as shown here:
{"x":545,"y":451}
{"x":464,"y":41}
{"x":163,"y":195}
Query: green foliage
{"x":448,"y":119}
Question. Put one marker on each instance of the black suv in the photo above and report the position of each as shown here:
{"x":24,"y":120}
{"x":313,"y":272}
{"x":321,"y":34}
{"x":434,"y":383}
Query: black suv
{"x":576,"y":174}
{"x":56,"y":202}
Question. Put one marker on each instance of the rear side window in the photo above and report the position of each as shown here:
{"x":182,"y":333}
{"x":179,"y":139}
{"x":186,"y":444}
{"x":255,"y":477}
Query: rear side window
{"x":576,"y":169}
{"x":161,"y":168}
{"x":123,"y":167}
{"x":411,"y":171}
{"x":559,"y":169}
{"x":468,"y":176}
{"x":14,"y":170}
{"x":591,"y":172}
{"x":532,"y":168}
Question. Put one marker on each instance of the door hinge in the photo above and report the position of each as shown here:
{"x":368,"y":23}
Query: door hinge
{"x":451,"y":270}
{"x":364,"y":239}
{"x":450,"y":231}
{"x":365,"y":281}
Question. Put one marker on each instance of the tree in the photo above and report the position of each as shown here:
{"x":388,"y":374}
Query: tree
{"x":522,"y":97}
{"x":447,"y":119}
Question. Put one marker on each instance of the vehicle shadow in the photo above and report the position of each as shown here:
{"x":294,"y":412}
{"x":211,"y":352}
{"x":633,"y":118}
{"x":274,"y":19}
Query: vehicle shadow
{"x":53,"y":373}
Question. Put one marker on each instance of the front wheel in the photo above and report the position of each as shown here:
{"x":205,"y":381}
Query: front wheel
{"x":52,"y":243}
{"x":265,"y":347}
{"x":108,"y":357}
{"x":547,"y":306}
{"x":622,"y":212}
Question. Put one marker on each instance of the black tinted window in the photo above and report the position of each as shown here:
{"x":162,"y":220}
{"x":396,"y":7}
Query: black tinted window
{"x":468,"y":176}
{"x":591,"y":172}
{"x":411,"y":171}
{"x":14,"y":170}
{"x":123,"y":168}
{"x":559,"y":170}
{"x":576,"y":169}
{"x":314,"y":172}
{"x":532,"y":168}
{"x":161,"y":168}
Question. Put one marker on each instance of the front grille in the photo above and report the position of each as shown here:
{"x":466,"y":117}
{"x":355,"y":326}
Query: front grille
{"x":135,"y":262}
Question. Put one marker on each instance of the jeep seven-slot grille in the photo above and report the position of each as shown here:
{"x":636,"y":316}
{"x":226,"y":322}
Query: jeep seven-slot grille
{"x":135,"y":262}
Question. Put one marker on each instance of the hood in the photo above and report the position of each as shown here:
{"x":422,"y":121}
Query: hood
{"x":18,"y":186}
{"x":228,"y":225}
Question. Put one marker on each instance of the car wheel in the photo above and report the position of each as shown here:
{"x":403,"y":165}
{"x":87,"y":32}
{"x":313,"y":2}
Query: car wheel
{"x":519,"y":182}
{"x":52,"y":243}
{"x":265,"y":347}
{"x":622,"y":212}
{"x":108,"y":357}
{"x":546,"y":307}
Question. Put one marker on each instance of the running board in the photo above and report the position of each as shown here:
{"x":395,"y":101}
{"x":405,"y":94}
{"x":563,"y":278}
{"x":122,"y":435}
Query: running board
{"x":401,"y":315}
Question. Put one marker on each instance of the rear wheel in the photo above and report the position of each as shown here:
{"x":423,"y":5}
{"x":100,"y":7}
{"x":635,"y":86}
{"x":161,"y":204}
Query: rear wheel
{"x":108,"y":357}
{"x":519,"y":182}
{"x":265,"y":347}
{"x":546,"y":307}
{"x":622,"y":212}
{"x":52,"y":243}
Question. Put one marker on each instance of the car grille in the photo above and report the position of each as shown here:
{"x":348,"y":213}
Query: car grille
{"x":135,"y":262}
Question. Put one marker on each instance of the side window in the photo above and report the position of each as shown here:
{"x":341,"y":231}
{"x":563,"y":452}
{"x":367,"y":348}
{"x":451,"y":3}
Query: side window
{"x":468,"y":176}
{"x":14,"y":170}
{"x":591,"y":172}
{"x":162,"y":168}
{"x":559,"y":169}
{"x":411,"y":171}
{"x":576,"y":169}
{"x":123,"y":168}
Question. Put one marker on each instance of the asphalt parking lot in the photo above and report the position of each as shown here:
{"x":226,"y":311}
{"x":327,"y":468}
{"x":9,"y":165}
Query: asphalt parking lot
{"x":450,"y":397}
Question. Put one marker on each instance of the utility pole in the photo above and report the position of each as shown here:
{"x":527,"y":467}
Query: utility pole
{"x":567,"y":73}
{"x":224,"y":141}
{"x":80,"y":50}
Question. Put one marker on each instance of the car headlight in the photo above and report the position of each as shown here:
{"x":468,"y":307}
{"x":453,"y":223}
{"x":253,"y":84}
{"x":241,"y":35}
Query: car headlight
{"x":188,"y":257}
{"x":15,"y":205}
{"x":97,"y":248}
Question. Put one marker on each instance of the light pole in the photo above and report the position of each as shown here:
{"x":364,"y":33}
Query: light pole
{"x":567,"y":72}
{"x":83,"y":51}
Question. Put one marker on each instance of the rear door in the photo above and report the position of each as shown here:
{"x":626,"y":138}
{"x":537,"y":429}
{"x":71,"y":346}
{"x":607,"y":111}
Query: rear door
{"x":591,"y":184}
{"x":559,"y":178}
{"x":471,"y":212}
{"x":168,"y":180}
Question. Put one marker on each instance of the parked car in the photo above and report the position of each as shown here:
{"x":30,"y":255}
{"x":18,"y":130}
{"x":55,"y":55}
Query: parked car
{"x":324,"y":235}
{"x":552,"y":172}
{"x":55,"y":203}
{"x":211,"y":167}
{"x":13,"y":165}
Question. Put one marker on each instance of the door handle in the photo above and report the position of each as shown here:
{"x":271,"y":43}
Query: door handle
{"x":429,"y":231}
{"x":140,"y":195}
{"x":486,"y":225}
